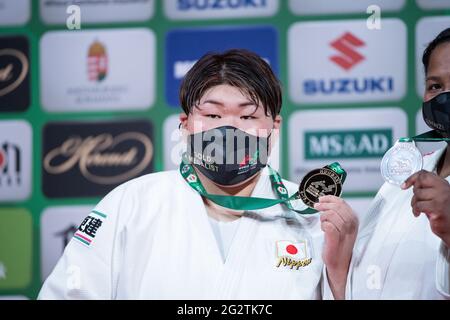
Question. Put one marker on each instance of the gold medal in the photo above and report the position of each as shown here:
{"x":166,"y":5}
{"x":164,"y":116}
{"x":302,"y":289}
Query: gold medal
{"x":318,"y":183}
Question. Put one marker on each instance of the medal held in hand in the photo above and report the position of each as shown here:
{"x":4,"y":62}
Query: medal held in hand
{"x":321,"y":182}
{"x":400,"y":162}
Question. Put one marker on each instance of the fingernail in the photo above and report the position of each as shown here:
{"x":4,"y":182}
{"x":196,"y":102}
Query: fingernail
{"x":403,"y":185}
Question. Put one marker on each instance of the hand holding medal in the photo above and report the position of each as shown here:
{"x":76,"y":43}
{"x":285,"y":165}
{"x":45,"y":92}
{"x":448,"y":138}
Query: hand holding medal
{"x":401,"y":161}
{"x":321,"y":182}
{"x":320,"y":189}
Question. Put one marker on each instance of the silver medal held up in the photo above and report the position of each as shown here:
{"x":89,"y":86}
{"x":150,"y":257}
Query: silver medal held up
{"x":400,"y":162}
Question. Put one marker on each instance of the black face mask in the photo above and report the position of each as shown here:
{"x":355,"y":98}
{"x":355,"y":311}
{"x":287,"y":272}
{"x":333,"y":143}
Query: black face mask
{"x":227,"y":155}
{"x":436,"y":113}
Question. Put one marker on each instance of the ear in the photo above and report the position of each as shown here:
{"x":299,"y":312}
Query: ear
{"x":183,"y":120}
{"x":277,"y":122}
{"x":277,"y":127}
{"x":275,"y":133}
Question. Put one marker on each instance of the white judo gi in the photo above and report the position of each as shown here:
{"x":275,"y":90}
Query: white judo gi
{"x":153,"y":240}
{"x":396,"y":255}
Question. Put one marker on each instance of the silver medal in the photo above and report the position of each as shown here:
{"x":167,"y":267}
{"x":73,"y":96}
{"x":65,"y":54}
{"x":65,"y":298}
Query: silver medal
{"x":400,"y":162}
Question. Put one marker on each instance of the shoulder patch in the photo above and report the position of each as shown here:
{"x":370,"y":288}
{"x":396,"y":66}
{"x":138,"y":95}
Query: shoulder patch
{"x":88,"y":228}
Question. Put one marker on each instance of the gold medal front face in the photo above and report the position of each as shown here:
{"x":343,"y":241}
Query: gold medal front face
{"x":318,"y":183}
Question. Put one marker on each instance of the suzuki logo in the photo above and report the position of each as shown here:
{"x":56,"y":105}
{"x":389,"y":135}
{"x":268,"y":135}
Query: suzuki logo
{"x":345,"y":45}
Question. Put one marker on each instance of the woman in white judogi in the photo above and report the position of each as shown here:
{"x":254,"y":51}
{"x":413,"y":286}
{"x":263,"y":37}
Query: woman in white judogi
{"x":156,"y":237}
{"x":402,"y":251}
{"x":165,"y":248}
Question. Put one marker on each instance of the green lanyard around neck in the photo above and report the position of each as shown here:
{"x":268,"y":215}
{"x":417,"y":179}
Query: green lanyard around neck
{"x":250,"y":203}
{"x":429,"y":136}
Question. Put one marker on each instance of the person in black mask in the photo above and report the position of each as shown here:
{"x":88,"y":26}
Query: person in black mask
{"x":232,"y":103}
{"x":195,"y":232}
{"x":402,"y":251}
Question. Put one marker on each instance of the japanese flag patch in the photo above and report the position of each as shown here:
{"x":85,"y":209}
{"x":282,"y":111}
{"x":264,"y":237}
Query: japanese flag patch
{"x":89,"y":227}
{"x":293,"y":254}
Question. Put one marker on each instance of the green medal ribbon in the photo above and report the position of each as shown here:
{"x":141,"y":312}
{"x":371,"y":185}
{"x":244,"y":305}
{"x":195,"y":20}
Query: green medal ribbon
{"x":429,"y":136}
{"x":250,"y":203}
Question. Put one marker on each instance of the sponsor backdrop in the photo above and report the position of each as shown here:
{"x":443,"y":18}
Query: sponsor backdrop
{"x":83,"y":110}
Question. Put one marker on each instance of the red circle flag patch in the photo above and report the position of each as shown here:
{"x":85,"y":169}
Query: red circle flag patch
{"x":293,"y":250}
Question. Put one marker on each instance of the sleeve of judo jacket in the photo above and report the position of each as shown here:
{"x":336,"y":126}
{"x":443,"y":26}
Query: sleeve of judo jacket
{"x":443,"y":271}
{"x":86,"y":268}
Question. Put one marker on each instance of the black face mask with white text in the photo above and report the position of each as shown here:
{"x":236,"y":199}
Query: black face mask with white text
{"x":227,"y":155}
{"x":436,"y":114}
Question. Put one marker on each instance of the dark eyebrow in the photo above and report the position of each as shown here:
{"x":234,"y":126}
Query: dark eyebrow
{"x":249,"y":103}
{"x":244,"y":104}
{"x":213,"y":102}
{"x":435,"y":78}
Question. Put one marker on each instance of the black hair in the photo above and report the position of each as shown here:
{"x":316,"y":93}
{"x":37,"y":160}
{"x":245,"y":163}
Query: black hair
{"x":441,"y":38}
{"x":239,"y":68}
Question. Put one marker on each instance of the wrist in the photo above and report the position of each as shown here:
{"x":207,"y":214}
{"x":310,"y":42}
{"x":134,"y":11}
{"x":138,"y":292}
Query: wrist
{"x":337,"y":275}
{"x":340,"y":266}
{"x":337,"y":281}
